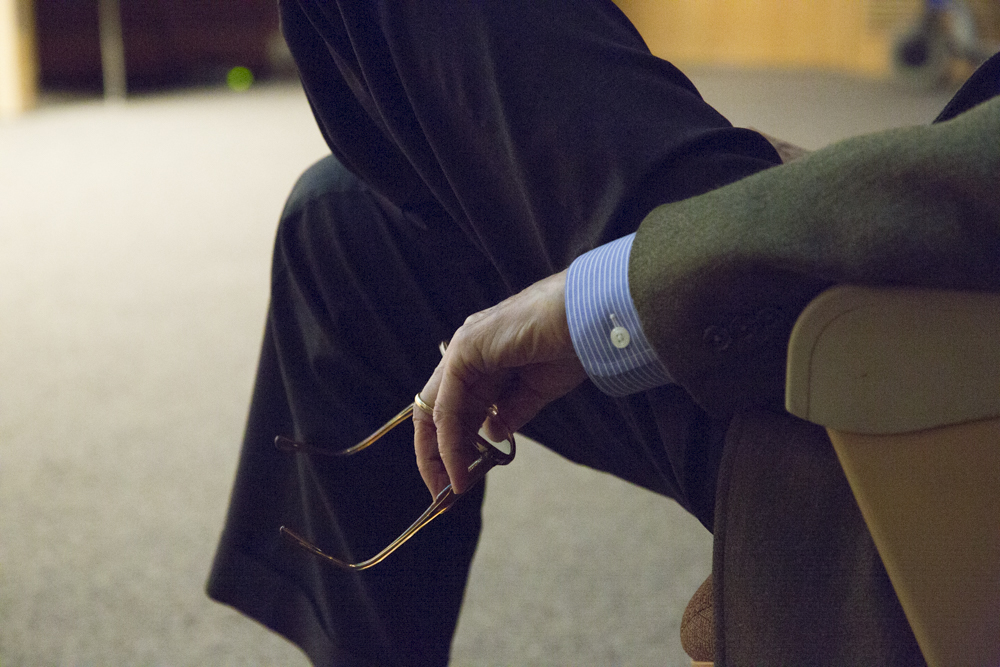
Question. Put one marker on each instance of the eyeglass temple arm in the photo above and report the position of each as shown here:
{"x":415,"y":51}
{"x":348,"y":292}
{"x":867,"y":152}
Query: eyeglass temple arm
{"x":442,"y":503}
{"x":286,"y":444}
{"x":489,"y":457}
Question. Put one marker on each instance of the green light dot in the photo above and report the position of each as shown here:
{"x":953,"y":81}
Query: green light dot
{"x":239,"y":79}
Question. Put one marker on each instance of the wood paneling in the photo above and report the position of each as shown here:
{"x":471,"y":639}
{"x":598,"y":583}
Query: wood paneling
{"x":851,"y":35}
{"x":18,"y":70}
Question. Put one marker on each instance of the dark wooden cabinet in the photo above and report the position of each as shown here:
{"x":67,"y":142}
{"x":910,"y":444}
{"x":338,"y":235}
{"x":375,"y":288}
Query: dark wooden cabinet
{"x":167,"y":42}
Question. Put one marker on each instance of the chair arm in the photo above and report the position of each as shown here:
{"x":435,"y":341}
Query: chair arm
{"x":907,"y":384}
{"x":895,"y":360}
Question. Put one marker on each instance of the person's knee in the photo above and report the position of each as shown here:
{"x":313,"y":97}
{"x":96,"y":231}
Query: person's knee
{"x":327,"y":177}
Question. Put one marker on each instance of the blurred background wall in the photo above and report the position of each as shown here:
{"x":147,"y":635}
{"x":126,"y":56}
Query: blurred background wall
{"x":167,"y":42}
{"x":65,"y":45}
{"x":844,"y":35}
{"x":57,"y":44}
{"x":18,"y":61}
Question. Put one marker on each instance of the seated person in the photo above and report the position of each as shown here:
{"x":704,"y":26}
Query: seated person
{"x":480,"y":148}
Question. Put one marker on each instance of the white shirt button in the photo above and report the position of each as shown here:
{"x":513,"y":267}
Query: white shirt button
{"x":620,"y":337}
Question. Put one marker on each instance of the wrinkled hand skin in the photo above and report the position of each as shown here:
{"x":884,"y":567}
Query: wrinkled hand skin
{"x":517,"y":355}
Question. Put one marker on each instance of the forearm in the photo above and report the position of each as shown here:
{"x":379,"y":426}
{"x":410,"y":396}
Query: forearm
{"x":719,"y":279}
{"x":606,"y":331}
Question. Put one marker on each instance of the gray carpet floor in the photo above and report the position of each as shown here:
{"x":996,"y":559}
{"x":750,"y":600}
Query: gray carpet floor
{"x":134,"y":254}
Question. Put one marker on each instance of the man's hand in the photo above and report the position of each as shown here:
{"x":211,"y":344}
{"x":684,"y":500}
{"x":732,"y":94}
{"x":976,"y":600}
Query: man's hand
{"x":517,"y":355}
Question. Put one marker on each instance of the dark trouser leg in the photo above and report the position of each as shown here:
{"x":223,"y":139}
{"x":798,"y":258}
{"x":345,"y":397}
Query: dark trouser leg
{"x":361,"y":295}
{"x":797,"y":577}
{"x":351,"y":335}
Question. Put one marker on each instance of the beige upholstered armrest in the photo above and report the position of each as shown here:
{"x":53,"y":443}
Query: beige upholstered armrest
{"x":895,"y":360}
{"x":907,"y":384}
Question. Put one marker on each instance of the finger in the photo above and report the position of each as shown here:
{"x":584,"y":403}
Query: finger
{"x":432,"y":468}
{"x":442,"y":440}
{"x":425,"y":445}
{"x":464,"y":395}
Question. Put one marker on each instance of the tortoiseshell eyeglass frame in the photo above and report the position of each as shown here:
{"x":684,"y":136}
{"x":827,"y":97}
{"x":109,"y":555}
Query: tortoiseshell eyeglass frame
{"x":489,"y":457}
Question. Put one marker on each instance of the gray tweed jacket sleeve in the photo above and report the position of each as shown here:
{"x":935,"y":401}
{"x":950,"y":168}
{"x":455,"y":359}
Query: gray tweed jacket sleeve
{"x":719,"y":279}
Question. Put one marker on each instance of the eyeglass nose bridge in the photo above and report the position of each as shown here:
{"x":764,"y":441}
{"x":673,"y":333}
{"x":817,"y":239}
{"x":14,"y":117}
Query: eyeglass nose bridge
{"x":489,"y":457}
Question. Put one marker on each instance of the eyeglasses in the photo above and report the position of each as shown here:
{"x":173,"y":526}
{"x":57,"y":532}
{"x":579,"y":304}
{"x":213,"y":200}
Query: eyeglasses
{"x":490,"y":455}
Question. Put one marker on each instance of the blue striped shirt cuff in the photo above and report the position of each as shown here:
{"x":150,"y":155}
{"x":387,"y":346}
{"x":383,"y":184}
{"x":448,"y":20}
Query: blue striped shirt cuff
{"x":604,"y":325}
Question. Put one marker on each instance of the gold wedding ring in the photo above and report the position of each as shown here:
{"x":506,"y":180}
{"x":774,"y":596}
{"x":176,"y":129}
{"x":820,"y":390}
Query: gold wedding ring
{"x":422,"y":404}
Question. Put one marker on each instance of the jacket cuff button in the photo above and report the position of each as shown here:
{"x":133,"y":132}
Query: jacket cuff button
{"x":718,"y":338}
